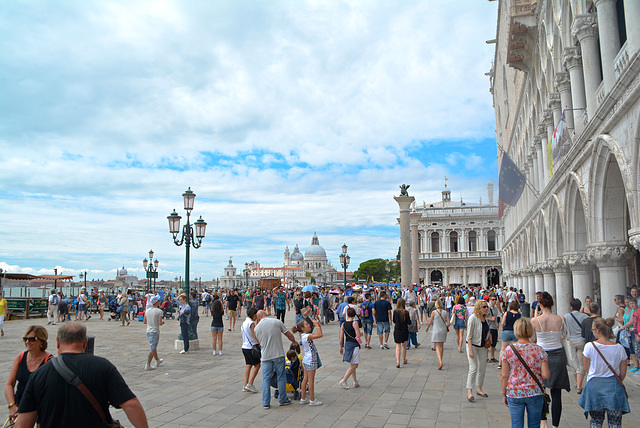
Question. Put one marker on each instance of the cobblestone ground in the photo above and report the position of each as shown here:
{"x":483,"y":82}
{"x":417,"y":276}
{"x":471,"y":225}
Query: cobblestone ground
{"x":201,"y":390}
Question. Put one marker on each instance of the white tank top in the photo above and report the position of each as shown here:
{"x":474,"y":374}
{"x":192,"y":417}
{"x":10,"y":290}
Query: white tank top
{"x":549,"y":340}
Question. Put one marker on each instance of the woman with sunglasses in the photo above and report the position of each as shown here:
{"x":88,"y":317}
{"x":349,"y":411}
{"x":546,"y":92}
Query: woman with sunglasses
{"x":27,"y":362}
{"x":478,"y":336}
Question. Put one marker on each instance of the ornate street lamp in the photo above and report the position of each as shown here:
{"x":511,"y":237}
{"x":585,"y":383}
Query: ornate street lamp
{"x":344,"y":261}
{"x":188,"y":237}
{"x":151,"y":267}
{"x":246,"y":275}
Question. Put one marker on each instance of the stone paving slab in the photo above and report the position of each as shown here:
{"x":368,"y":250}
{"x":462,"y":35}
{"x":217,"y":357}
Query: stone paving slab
{"x":202,"y":390}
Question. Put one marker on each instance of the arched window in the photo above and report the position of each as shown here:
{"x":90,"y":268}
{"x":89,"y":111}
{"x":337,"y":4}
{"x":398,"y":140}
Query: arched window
{"x":453,"y":242}
{"x":491,"y":240}
{"x":435,"y":242}
{"x":472,"y":241}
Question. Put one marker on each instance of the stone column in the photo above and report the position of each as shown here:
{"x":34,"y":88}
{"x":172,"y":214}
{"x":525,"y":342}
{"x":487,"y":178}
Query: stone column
{"x":632,"y":22}
{"x":609,"y":39}
{"x":547,"y":117}
{"x":464,"y":275}
{"x":581,"y":275}
{"x":555,"y":104}
{"x":414,"y":218}
{"x":445,"y":277}
{"x":564,"y":289}
{"x":564,"y":87}
{"x":404,"y":202}
{"x":538,"y":280}
{"x":585,"y":29}
{"x":573,"y":62}
{"x":531,"y":279}
{"x":483,"y":276}
{"x":550,"y":285}
{"x":612,"y":263}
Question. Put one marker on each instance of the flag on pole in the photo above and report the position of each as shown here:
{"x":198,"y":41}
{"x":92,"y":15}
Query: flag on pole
{"x":559,"y":144}
{"x":512,"y":181}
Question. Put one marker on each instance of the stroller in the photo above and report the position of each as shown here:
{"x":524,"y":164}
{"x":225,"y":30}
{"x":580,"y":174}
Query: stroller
{"x":167,"y":310}
{"x":113,"y":306}
{"x":293,"y":373}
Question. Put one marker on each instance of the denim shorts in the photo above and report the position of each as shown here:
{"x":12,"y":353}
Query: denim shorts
{"x":509,"y":336}
{"x":153,"y":341}
{"x":367,"y":325}
{"x":217,"y":328}
{"x":459,"y":324}
{"x":384,"y":327}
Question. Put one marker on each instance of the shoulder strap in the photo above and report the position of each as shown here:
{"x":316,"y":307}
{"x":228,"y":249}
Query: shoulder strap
{"x":515,"y":351}
{"x":439,"y":313}
{"x":541,"y":329}
{"x":611,"y":368}
{"x":575,"y":319}
{"x":72,"y":379}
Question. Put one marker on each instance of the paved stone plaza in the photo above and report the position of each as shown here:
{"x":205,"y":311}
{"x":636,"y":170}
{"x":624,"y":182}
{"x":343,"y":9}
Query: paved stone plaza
{"x":200,"y":390}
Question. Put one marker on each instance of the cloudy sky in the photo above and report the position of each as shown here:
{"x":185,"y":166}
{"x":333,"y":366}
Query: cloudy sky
{"x":284,"y":117}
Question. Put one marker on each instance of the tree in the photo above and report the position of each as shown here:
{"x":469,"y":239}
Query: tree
{"x":372,"y":268}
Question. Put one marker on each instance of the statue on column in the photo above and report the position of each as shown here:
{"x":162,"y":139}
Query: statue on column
{"x":403,"y":189}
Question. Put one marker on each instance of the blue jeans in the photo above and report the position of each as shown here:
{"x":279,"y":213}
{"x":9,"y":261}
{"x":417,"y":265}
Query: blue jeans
{"x":184,"y":329}
{"x":268,"y":367}
{"x":534,"y":411}
{"x":413,"y":337}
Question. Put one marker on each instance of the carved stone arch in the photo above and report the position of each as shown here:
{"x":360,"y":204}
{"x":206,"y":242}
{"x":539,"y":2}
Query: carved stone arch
{"x":543,"y":241}
{"x":609,"y":193}
{"x":577,"y":226}
{"x":557,"y":228}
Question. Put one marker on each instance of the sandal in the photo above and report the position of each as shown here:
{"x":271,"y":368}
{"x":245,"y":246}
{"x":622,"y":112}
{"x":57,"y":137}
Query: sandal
{"x":482,"y":394}
{"x":579,"y":391}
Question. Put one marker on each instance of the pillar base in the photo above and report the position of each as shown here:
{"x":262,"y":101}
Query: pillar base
{"x":194,"y":345}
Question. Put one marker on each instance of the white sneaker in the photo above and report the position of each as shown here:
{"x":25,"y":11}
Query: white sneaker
{"x":184,"y":352}
{"x":343,"y":384}
{"x":160,"y":361}
{"x":305,"y":401}
{"x":245,"y":389}
{"x":214,"y":352}
{"x":219,"y":352}
{"x":148,"y":367}
{"x":315,"y":403}
{"x":356,"y":385}
{"x":251,"y":388}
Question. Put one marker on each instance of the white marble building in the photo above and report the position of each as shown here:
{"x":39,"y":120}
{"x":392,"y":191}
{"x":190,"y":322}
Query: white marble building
{"x":314,"y":262}
{"x":577,"y":231}
{"x":457,"y":242}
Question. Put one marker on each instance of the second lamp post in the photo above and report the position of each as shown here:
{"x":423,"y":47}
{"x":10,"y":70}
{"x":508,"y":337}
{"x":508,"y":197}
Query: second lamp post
{"x":344,"y":261}
{"x":188,"y":238}
{"x":152,"y":270}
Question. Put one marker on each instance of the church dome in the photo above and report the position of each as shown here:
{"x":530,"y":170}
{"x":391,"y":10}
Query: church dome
{"x":296,"y":256}
{"x":122,"y":272}
{"x":315,"y":250}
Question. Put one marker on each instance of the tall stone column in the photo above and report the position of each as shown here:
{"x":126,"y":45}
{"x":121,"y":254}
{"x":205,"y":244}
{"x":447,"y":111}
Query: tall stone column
{"x":538,"y":280}
{"x":564,"y":87}
{"x":404,"y":202}
{"x":609,"y":39}
{"x":564,"y":288}
{"x":414,"y":218}
{"x":445,"y":277}
{"x":464,"y":276}
{"x":581,"y":275}
{"x":531,"y":279}
{"x":612,"y":264}
{"x":573,"y":62}
{"x":550,"y":285}
{"x":632,"y":21}
{"x":585,"y":29}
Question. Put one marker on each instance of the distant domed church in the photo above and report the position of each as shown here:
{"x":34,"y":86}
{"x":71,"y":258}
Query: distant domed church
{"x":314,"y":262}
{"x":124,"y":280}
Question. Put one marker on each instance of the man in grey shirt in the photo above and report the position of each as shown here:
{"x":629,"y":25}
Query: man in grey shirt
{"x":269,"y":333}
{"x":574,"y":320}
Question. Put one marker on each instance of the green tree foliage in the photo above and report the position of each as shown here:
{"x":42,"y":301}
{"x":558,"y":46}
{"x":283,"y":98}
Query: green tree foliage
{"x":375,"y":268}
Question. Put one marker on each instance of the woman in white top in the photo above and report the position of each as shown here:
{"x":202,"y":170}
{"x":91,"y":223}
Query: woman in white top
{"x":549,"y":329}
{"x":604,"y":392}
{"x":440,"y":323}
{"x":248,"y":340}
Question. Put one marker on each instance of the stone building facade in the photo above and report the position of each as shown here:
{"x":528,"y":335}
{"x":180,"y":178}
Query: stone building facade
{"x":576,"y":229}
{"x":458,"y":243}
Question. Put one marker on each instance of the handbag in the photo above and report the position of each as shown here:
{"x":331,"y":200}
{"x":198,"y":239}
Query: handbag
{"x":572,"y":360}
{"x":72,"y":379}
{"x":256,"y":351}
{"x":612,"y":371}
{"x":443,"y":321}
{"x":119,"y":309}
{"x":547,"y":398}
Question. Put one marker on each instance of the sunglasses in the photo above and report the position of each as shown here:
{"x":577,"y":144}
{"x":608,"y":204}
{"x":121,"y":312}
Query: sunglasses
{"x":29,"y":339}
{"x":485,"y":307}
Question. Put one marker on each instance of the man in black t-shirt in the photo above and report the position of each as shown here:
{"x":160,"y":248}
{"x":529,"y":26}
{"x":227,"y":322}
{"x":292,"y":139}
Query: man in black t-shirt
{"x":232,"y":305}
{"x":55,"y":403}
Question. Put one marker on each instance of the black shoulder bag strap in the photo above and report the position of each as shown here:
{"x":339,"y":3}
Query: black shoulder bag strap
{"x":575,"y":319}
{"x":515,"y":351}
{"x":72,"y":379}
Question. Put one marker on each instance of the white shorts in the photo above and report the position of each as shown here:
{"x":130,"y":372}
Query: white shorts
{"x":1,"y":320}
{"x":355,"y":358}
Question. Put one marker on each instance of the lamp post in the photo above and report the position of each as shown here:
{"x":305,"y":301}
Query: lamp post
{"x":388,"y":269}
{"x":344,"y":261}
{"x":151,"y":267}
{"x":188,"y":237}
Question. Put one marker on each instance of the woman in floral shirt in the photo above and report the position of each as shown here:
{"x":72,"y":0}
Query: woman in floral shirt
{"x":519,"y":390}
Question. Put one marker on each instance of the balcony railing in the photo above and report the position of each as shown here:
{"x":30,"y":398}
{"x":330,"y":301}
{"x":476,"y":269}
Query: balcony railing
{"x":461,"y":255}
{"x":621,"y":62}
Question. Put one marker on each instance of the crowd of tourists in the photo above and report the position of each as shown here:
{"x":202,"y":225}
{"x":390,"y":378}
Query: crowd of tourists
{"x":536,"y":356}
